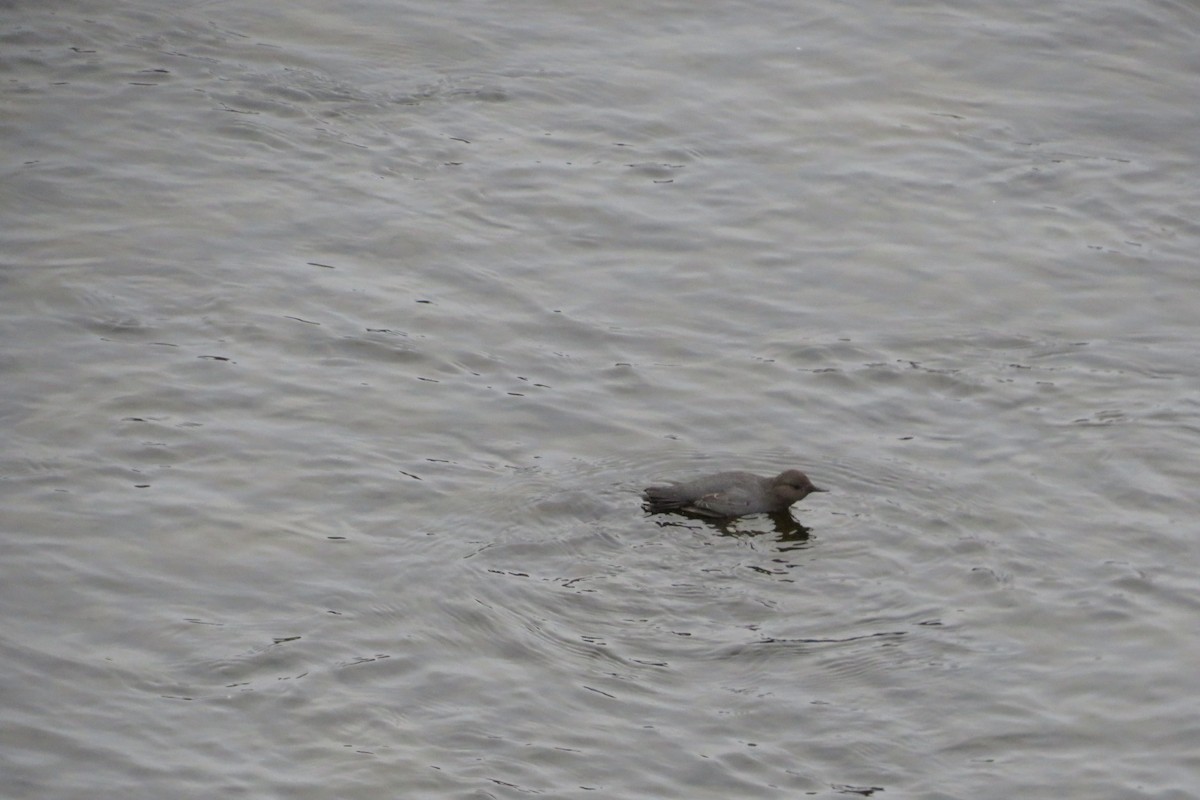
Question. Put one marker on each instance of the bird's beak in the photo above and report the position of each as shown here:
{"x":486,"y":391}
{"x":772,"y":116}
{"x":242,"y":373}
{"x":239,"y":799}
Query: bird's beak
{"x":818,"y":489}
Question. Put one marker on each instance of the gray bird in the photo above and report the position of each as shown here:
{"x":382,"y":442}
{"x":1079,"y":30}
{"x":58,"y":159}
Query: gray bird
{"x":731,"y":494}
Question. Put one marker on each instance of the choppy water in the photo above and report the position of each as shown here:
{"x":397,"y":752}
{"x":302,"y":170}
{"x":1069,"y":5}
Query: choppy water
{"x":339,"y":339}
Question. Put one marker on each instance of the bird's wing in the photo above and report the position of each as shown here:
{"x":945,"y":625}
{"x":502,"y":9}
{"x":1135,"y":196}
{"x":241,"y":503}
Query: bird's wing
{"x":733,"y":503}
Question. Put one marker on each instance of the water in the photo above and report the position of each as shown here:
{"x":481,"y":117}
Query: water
{"x":340,"y":340}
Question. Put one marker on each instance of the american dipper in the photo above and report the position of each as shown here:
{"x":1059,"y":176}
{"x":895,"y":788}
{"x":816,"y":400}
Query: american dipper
{"x":731,"y":494}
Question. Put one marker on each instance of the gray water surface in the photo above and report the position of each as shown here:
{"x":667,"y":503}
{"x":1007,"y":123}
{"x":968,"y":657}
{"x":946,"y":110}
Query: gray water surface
{"x":339,"y":340}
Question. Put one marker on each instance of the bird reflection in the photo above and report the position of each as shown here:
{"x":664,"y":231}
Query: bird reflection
{"x":783,"y":525}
